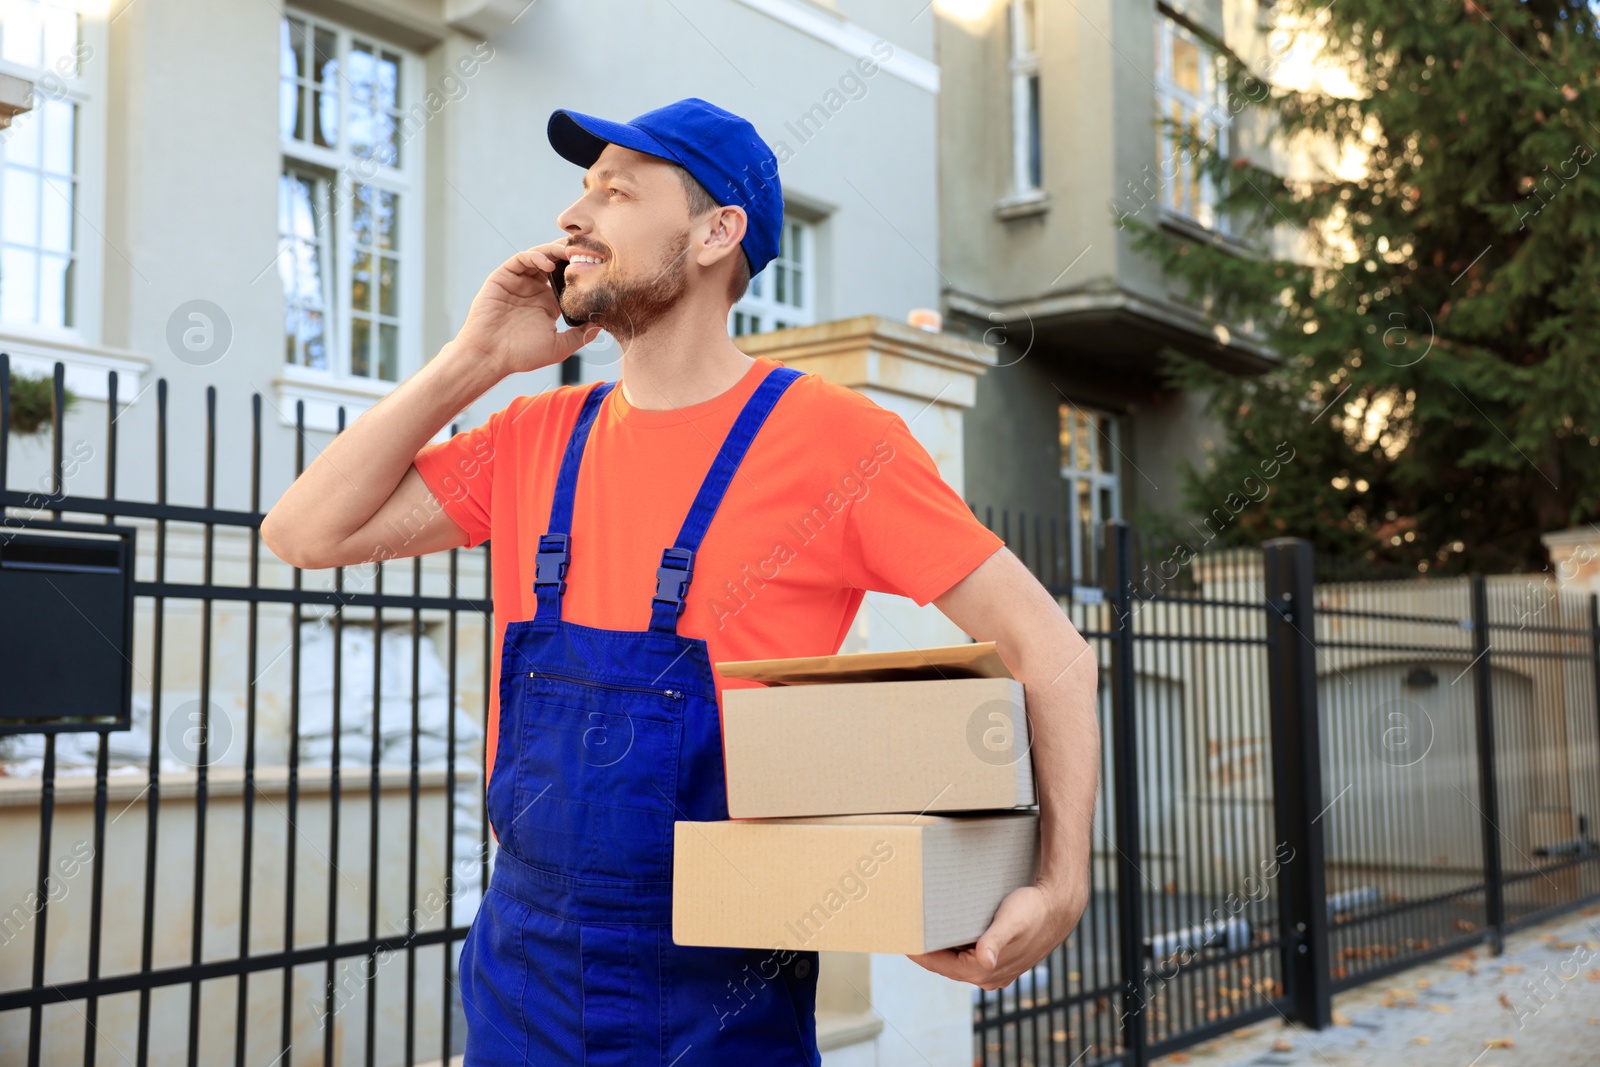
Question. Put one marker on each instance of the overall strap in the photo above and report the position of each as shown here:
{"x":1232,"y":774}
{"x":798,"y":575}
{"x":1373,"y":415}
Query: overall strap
{"x":550,"y":564}
{"x":677,"y":562}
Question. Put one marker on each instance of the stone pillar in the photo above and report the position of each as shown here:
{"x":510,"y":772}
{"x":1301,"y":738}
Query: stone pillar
{"x":930,"y":379}
{"x":1575,"y":557}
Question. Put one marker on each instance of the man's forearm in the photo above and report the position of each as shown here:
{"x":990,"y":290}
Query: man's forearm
{"x":1059,"y":680}
{"x":1002,"y":602}
{"x":350,"y":479}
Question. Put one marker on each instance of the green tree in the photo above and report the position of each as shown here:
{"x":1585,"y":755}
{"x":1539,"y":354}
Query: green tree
{"x":1437,"y":327}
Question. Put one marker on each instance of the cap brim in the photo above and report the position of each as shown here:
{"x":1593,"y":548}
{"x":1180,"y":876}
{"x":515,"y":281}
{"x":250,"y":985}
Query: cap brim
{"x":580,"y":138}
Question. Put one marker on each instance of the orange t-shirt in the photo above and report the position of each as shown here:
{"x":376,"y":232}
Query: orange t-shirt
{"x":834,"y":497}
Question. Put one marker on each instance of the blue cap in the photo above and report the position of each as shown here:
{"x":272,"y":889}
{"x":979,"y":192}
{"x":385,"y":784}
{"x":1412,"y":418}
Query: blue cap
{"x":721,"y":150}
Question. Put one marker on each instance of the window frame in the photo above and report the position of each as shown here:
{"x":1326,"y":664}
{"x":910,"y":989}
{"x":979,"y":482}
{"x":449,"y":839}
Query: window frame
{"x":1204,"y":107}
{"x":1105,"y":442}
{"x":86,"y":91}
{"x":343,"y":170}
{"x":1027,"y":125}
{"x":767,"y":309}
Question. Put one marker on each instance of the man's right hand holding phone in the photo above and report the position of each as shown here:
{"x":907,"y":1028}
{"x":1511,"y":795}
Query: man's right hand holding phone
{"x":512,"y":321}
{"x":345,"y":507}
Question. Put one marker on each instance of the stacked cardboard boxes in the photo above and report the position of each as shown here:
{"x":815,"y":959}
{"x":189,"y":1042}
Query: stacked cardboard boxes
{"x":878,"y":802}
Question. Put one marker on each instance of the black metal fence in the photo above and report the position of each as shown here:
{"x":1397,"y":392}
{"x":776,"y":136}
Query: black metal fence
{"x":1312,"y":777}
{"x":274,"y":889}
{"x":1462,"y":805}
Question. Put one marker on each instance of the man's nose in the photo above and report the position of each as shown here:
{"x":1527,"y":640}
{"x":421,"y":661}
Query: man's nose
{"x":575,"y":219}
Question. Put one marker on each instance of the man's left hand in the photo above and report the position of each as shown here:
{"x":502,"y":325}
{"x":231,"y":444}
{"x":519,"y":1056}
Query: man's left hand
{"x":1030,"y":922}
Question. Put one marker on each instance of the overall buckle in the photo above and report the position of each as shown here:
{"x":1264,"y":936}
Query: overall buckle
{"x":672,"y":577}
{"x":550,"y":563}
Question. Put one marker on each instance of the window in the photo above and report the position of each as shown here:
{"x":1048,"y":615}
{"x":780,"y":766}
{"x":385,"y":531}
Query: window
{"x":41,"y":176}
{"x":348,"y":201}
{"x":783,"y":294}
{"x":1025,"y":147}
{"x":1090,"y":477}
{"x":1188,"y":96}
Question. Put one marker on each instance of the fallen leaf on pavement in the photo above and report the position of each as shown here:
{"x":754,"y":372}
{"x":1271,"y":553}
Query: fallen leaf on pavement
{"x":1283,"y":1045}
{"x":1442,"y":1009}
{"x":1498,"y":1042}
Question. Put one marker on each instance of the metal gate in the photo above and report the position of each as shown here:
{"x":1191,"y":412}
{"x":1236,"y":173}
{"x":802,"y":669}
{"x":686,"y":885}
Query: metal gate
{"x":1312,"y":776}
{"x":1462,"y":734}
{"x":256,"y":885}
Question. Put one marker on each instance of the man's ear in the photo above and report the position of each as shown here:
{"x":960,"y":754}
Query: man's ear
{"x":725,"y":230}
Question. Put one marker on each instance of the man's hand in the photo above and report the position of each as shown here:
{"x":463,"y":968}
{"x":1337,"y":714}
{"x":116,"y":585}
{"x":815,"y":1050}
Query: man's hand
{"x":1030,"y":922}
{"x":349,"y":503}
{"x":512,"y":321}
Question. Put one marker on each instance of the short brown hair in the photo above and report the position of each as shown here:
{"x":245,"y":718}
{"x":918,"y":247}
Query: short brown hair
{"x":700,"y":202}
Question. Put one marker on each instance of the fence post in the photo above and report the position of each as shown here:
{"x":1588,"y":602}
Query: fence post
{"x":1297,"y":778}
{"x":1125,"y":763}
{"x":1594,"y":633}
{"x":1494,"y":896}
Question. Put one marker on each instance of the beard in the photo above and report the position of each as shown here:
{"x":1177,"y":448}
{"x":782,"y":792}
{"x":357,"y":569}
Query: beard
{"x":628,"y":308}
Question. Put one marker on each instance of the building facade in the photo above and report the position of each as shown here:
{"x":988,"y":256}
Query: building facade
{"x":303,"y":202}
{"x":300,"y":202}
{"x":1056,"y":129}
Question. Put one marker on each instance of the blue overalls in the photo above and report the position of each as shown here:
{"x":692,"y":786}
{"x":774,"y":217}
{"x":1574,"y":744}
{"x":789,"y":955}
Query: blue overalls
{"x":606,"y":737}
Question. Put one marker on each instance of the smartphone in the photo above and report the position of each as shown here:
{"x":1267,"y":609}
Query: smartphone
{"x":558,"y":283}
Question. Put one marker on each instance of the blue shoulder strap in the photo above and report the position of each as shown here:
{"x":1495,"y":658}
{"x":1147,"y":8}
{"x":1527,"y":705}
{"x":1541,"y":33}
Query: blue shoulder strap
{"x":677,"y":562}
{"x":550,"y":564}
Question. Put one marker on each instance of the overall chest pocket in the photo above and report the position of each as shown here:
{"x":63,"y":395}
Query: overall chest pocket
{"x":597,"y":776}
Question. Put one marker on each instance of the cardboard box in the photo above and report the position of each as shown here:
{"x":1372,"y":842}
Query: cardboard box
{"x":935,"y":729}
{"x":848,"y":883}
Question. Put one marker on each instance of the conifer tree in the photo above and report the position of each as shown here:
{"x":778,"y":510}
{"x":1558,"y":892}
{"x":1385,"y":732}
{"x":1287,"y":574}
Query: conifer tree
{"x":1438,"y":327}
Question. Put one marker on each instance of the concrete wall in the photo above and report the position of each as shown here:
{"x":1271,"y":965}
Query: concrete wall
{"x":71,"y":894}
{"x":1014,"y":450}
{"x":1008,"y":259}
{"x":1163,"y":439}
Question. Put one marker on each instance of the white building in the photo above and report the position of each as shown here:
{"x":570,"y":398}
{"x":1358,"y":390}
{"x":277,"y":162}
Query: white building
{"x":301,"y":202}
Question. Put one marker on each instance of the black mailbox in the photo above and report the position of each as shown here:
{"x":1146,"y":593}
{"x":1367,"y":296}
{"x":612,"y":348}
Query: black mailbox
{"x":66,"y":629}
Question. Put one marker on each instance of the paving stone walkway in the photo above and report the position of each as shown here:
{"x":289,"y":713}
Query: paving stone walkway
{"x":1537,"y":1004}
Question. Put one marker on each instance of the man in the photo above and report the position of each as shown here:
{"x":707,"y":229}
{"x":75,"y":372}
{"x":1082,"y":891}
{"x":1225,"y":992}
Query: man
{"x":705,"y":507}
